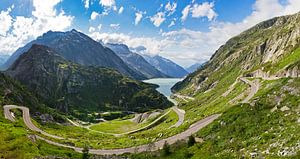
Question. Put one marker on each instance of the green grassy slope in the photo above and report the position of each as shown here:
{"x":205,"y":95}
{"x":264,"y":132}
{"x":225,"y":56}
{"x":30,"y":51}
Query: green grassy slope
{"x":14,"y":137}
{"x":105,"y":141}
{"x":79,"y":90}
{"x":13,"y":93}
{"x":271,"y":46}
{"x":16,"y":142}
{"x":263,"y":130}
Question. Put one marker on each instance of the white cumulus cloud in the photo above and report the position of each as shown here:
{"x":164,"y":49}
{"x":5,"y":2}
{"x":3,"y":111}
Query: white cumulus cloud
{"x":172,"y":23}
{"x":94,"y":15}
{"x":204,"y":10}
{"x":158,"y":19}
{"x":187,"y":46}
{"x":153,"y":45}
{"x":91,"y":29}
{"x":6,"y":21}
{"x":185,"y":12}
{"x":171,"y":8}
{"x":86,"y":4}
{"x":121,"y":10}
{"x":138,"y":17}
{"x":107,"y":3}
{"x":202,"y":45}
{"x":24,"y":29}
{"x":115,"y":26}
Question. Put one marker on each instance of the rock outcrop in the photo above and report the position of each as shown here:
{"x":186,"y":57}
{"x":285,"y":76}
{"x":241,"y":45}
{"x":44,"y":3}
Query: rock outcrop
{"x":269,"y":49}
{"x":73,"y":88}
{"x":79,"y":48}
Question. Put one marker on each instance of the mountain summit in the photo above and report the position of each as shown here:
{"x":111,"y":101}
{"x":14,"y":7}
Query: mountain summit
{"x":78,"y":47}
{"x":269,"y":50}
{"x":71,"y":87}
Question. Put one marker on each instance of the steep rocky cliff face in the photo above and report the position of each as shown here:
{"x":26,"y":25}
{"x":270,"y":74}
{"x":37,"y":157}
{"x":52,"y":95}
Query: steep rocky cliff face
{"x":79,"y":48}
{"x":136,"y":61}
{"x":269,"y":49}
{"x":11,"y":92}
{"x":73,"y":88}
{"x":14,"y":93}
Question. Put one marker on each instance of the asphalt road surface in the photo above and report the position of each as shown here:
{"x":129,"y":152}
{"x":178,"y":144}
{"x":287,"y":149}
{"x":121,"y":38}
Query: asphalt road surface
{"x":148,"y":147}
{"x":254,"y":87}
{"x":26,"y":118}
{"x":180,"y":113}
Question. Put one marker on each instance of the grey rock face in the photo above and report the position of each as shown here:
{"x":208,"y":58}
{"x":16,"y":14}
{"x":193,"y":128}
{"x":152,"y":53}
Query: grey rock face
{"x":79,"y":48}
{"x":70,"y":87}
{"x":256,"y":52}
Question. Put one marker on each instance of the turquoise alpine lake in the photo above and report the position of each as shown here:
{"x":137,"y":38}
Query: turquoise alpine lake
{"x":165,"y":84}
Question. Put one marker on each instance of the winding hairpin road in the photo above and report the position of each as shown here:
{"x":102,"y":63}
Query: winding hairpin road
{"x":180,"y":113}
{"x":147,"y":147}
{"x":26,"y":119}
{"x":183,"y":97}
{"x":254,"y":87}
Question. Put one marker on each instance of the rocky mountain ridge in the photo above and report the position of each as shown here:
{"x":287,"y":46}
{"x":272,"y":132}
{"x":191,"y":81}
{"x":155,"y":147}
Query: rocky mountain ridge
{"x":267,"y":49}
{"x":136,"y":61}
{"x":78,"y":47}
{"x":77,"y":89}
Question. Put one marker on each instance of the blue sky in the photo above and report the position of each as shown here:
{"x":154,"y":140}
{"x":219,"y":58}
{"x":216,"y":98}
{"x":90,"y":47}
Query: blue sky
{"x":126,"y":20}
{"x":186,"y":31}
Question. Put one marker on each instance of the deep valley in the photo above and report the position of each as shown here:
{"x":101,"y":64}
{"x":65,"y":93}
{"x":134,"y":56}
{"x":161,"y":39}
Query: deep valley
{"x":75,"y":94}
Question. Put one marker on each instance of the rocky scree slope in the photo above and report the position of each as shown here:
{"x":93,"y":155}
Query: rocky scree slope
{"x":79,"y":48}
{"x":73,"y":88}
{"x":269,"y":49}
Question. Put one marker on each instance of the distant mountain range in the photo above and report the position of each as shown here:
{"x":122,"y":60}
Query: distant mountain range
{"x":71,"y":87}
{"x":166,"y":66}
{"x":79,"y":48}
{"x":194,"y":67}
{"x":135,"y":61}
